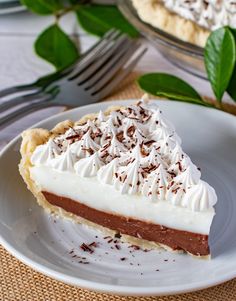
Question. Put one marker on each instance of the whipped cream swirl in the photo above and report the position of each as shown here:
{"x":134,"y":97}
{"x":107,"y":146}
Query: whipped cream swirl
{"x":210,"y":14}
{"x":134,"y":149}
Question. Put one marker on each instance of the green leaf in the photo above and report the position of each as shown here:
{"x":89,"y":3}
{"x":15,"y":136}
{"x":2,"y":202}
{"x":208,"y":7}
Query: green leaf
{"x":43,"y":7}
{"x":220,"y":55}
{"x":98,"y":19}
{"x":56,"y":47}
{"x":231,"y":89}
{"x":169,"y":86}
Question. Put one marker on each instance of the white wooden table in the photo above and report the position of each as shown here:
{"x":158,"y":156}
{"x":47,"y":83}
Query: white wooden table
{"x":19,"y":64}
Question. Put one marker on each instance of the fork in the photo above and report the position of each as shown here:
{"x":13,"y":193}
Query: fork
{"x":92,"y":78}
{"x":46,"y":80}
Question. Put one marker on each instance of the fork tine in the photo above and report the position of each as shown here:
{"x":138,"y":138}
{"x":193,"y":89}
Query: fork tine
{"x":90,"y":55}
{"x":108,"y":37}
{"x":117,"y":58}
{"x":111,"y":34}
{"x":102,"y":78}
{"x":98,"y":95}
{"x":99,"y":61}
{"x":99,"y":58}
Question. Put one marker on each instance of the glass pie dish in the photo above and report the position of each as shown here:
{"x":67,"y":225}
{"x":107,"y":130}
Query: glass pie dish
{"x":186,"y":56}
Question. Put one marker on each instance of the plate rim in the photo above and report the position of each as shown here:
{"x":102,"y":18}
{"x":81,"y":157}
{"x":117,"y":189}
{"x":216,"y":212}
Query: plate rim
{"x":101,"y":287}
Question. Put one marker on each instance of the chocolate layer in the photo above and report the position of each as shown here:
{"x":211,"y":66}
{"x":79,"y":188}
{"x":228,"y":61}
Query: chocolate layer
{"x":196,"y":244}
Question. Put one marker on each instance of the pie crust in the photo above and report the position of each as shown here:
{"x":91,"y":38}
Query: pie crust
{"x":156,"y":14}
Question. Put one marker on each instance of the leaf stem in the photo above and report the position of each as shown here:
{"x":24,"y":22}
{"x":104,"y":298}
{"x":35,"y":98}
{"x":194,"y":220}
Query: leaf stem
{"x":221,"y":105}
{"x":65,"y":11}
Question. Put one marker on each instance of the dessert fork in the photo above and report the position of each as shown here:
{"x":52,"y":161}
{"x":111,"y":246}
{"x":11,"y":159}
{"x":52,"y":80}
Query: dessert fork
{"x":89,"y":80}
{"x":49,"y":78}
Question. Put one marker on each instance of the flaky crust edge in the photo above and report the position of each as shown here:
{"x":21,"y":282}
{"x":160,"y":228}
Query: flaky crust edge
{"x":156,"y":14}
{"x":32,"y":138}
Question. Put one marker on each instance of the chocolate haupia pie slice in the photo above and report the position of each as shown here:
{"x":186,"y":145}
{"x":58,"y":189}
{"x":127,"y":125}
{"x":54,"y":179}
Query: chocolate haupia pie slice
{"x":122,"y":171}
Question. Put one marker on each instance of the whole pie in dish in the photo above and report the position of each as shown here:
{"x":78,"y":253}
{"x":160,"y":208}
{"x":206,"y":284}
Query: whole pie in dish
{"x":189,"y":20}
{"x":122,"y":171}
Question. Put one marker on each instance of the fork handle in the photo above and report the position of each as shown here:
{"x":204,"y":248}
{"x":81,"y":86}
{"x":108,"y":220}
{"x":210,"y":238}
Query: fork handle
{"x":19,"y":113}
{"x":16,"y":89}
{"x":19,"y":100}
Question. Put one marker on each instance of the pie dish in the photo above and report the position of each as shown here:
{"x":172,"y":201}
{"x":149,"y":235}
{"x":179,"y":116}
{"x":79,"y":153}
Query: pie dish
{"x":124,"y":172}
{"x":191,"y":21}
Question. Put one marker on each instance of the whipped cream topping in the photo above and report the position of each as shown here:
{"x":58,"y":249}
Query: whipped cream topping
{"x":45,"y":153}
{"x":210,"y":14}
{"x":136,"y":151}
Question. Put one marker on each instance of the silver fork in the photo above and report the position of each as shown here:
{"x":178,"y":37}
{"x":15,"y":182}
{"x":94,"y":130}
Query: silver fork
{"x":42,"y":82}
{"x":89,"y":80}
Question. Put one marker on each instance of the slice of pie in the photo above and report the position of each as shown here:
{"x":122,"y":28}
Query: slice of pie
{"x":189,"y":20}
{"x":122,"y":171}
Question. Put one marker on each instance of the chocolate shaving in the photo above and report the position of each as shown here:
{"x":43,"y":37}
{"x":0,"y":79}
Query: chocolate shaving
{"x":93,"y":244}
{"x":175,"y":190}
{"x":104,"y":155}
{"x":125,"y":177}
{"x":129,"y":110}
{"x":120,"y":136}
{"x":143,"y":153}
{"x":76,"y":136}
{"x":172,"y":174}
{"x":117,"y":247}
{"x":139,"y":103}
{"x":150,"y":168}
{"x":86,"y":248}
{"x":179,"y":166}
{"x":83,"y":262}
{"x":135,"y":247}
{"x":96,"y":134}
{"x":119,"y":121}
{"x":89,"y":150}
{"x":107,"y":137}
{"x":106,"y":146}
{"x":171,"y":184}
{"x":146,"y":118}
{"x":148,"y":143}
{"x":131,"y":130}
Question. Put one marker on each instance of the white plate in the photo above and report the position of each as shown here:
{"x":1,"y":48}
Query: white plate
{"x":45,"y":243}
